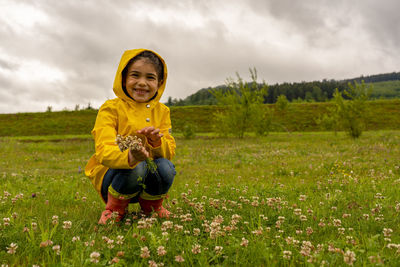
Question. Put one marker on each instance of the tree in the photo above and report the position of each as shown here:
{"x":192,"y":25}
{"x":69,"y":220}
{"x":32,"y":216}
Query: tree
{"x":350,"y":113}
{"x":241,"y":105}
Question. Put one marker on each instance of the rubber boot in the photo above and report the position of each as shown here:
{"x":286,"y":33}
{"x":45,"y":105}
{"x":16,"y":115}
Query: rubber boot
{"x":114,"y":205}
{"x":149,"y":206}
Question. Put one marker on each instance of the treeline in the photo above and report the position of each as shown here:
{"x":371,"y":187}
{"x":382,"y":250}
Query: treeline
{"x":316,"y":91}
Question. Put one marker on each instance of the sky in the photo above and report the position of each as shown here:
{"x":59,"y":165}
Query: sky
{"x":61,"y":54}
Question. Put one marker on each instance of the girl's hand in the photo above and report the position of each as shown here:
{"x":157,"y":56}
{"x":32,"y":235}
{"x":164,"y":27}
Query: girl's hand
{"x":152,"y":134}
{"x":138,"y":155}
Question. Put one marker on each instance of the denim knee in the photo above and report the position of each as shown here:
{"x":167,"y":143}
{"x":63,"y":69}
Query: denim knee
{"x":159,"y":182}
{"x":166,"y":170}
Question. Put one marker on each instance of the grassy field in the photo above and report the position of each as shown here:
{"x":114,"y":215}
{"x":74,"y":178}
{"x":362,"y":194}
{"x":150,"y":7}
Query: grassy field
{"x":383,"y":115}
{"x":283,"y":200}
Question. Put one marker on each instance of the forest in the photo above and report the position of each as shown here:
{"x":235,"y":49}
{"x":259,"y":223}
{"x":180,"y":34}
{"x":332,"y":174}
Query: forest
{"x":384,"y":86}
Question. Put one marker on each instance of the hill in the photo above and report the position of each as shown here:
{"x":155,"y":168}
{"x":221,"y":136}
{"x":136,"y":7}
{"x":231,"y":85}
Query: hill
{"x":384,"y":86}
{"x":384,"y":115}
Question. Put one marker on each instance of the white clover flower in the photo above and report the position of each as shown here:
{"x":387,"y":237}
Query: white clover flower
{"x":12,"y":248}
{"x":94,"y":257}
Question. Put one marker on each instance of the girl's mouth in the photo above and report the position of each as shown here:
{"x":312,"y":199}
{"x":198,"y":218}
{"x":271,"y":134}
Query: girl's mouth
{"x":140,"y":91}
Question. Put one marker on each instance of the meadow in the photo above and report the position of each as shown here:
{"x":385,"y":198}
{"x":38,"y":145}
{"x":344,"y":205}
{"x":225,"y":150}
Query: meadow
{"x":287,"y":199}
{"x":382,"y":115}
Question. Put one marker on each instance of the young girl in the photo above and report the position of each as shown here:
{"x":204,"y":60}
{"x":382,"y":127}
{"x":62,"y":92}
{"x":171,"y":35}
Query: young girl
{"x":124,"y":177}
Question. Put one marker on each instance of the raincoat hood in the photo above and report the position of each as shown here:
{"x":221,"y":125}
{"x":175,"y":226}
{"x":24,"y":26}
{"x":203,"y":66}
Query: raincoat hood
{"x":126,"y":57}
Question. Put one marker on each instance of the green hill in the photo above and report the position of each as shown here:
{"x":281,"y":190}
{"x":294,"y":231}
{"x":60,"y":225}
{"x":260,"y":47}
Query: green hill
{"x":384,"y":115}
{"x":385,"y":86}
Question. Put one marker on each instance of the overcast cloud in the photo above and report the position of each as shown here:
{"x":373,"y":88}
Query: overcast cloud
{"x":64,"y":53}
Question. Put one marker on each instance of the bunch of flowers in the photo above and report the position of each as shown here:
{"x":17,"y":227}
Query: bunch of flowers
{"x":134,"y":143}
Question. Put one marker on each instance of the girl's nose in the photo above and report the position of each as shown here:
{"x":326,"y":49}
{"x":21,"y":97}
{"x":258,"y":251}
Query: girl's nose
{"x":141,"y":82}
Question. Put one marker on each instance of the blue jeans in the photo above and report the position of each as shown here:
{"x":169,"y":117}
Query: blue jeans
{"x":131,"y":182}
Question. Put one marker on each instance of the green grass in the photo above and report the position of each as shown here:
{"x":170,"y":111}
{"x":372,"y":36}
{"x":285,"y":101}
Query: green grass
{"x":387,"y":89}
{"x":384,"y":115}
{"x":284,"y":189}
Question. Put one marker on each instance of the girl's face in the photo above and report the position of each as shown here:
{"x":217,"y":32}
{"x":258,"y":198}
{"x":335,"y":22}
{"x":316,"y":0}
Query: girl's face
{"x":141,"y":81}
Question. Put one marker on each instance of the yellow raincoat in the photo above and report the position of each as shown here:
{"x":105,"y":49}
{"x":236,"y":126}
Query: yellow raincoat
{"x":125,"y":116}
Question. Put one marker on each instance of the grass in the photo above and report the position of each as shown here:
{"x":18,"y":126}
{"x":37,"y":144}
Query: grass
{"x":282,"y":200}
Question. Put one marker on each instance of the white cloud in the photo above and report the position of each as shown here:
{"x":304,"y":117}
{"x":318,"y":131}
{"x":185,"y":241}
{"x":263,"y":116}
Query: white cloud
{"x":63,"y":53}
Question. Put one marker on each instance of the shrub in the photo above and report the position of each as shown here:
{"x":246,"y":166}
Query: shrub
{"x":241,"y":104}
{"x":189,"y":131}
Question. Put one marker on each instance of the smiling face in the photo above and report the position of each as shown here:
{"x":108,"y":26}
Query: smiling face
{"x":141,"y":80}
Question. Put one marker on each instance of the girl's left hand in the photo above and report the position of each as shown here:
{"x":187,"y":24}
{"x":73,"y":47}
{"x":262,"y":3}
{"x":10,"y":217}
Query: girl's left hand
{"x":152,"y":134}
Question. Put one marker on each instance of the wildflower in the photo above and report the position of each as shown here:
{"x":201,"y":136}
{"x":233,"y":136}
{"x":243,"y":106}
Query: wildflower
{"x":297,"y":212}
{"x":341,"y":230}
{"x":120,"y":240}
{"x":145,"y":252}
{"x":75,"y":238}
{"x":375,"y":260}
{"x":12,"y":248}
{"x":218,"y":249}
{"x":67,"y":224}
{"x":196,"y":231}
{"x":259,"y":231}
{"x":110,"y":243}
{"x":161,"y":251}
{"x":114,"y":260}
{"x":94,"y":257}
{"x":309,"y":230}
{"x":120,"y":254}
{"x":349,"y":257}
{"x":54,"y":219}
{"x":244,"y":242}
{"x":302,"y":197}
{"x":196,"y":249}
{"x":6,"y":221}
{"x":179,"y":258}
{"x":25,"y":230}
{"x":56,"y":249}
{"x":287,"y":254}
{"x":306,"y":248}
{"x":387,"y":232}
{"x":152,"y":263}
{"x":34,"y":226}
{"x":337,"y":222}
{"x":303,"y":218}
{"x":46,"y":243}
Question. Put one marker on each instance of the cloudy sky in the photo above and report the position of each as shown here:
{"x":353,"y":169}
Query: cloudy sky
{"x":64,"y":53}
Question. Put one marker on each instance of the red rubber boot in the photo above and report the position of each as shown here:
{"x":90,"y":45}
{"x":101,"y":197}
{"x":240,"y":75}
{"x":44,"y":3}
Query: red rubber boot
{"x":149,"y":206}
{"x":114,"y":205}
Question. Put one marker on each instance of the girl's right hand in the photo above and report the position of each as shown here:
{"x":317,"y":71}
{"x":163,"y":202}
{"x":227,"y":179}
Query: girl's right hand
{"x":137,"y":155}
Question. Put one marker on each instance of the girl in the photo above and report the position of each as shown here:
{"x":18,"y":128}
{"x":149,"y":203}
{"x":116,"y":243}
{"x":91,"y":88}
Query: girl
{"x":124,"y":177}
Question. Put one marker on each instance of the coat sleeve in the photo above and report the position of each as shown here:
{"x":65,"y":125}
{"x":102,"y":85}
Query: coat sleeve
{"x":104,"y":133}
{"x":168,"y":145}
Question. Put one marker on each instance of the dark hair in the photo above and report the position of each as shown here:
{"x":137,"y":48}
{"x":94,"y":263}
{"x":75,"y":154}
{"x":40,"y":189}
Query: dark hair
{"x":152,"y":58}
